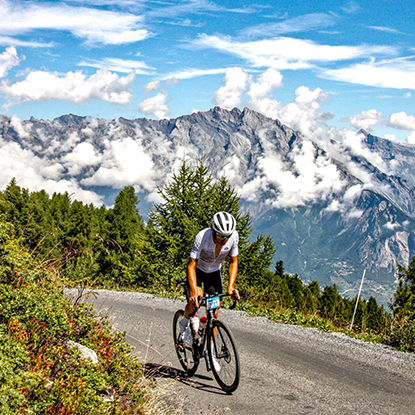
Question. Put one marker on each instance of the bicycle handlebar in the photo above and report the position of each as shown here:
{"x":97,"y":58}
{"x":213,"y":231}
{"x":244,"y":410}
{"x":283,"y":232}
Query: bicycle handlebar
{"x":205,"y":297}
{"x":200,"y":299}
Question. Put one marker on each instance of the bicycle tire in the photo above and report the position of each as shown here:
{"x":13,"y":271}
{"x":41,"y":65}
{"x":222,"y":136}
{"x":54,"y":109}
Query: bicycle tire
{"x":185,"y":353}
{"x":226,"y":354}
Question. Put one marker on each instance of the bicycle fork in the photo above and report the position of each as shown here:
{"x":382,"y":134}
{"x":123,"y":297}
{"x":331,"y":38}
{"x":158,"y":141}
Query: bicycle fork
{"x":206,"y":356}
{"x":200,"y":347}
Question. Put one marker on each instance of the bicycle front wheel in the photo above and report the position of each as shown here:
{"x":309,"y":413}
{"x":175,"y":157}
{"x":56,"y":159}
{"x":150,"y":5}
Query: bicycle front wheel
{"x":184,"y":352}
{"x":223,"y":357}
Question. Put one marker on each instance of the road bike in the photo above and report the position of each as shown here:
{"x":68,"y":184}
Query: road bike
{"x":214,"y":343}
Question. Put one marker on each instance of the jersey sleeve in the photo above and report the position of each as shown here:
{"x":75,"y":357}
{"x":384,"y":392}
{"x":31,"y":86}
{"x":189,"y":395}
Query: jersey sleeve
{"x":235,"y":247}
{"x":197,"y":245}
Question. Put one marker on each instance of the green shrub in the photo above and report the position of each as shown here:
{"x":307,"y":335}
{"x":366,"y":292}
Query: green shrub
{"x":402,"y":335}
{"x":39,"y":373}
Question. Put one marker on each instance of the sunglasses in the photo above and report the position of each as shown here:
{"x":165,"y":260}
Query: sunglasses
{"x":221,"y":236}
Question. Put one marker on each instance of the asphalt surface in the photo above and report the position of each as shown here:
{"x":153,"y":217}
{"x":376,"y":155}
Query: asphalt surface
{"x":285,"y":369}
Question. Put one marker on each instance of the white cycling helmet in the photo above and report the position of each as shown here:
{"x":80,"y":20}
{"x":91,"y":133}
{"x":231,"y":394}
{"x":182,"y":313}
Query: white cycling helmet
{"x":223,"y":224}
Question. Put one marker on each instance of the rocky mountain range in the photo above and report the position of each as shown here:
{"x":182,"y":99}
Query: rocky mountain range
{"x":334,"y":205}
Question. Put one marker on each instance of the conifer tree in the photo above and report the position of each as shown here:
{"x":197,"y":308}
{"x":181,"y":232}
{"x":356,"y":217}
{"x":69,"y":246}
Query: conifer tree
{"x":403,"y":303}
{"x":331,"y":302}
{"x":119,"y":236}
{"x":124,"y":219}
{"x":190,"y":200}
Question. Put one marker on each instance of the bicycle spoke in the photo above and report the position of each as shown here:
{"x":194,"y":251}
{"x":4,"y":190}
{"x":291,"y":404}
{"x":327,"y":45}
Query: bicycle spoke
{"x":224,"y":358}
{"x":185,"y":353}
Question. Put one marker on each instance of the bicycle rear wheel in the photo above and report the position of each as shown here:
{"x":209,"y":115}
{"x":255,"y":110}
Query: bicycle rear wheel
{"x":184,"y":352}
{"x":227,"y":372}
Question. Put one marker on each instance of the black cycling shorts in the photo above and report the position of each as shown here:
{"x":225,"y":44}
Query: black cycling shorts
{"x":212,"y":281}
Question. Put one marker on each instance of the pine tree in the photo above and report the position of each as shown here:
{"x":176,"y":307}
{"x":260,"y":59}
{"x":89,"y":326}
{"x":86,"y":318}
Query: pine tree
{"x":190,"y":200}
{"x":124,"y":219}
{"x":331,"y":302}
{"x":374,"y":316}
{"x":119,"y":235}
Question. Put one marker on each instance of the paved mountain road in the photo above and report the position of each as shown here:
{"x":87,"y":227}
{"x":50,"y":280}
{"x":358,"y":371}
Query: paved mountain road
{"x":285,"y":369}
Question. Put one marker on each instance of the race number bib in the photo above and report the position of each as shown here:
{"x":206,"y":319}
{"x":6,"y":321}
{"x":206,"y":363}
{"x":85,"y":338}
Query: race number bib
{"x":212,"y":303}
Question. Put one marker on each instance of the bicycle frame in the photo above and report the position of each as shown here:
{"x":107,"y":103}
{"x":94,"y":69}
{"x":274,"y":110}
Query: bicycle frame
{"x":200,"y":347}
{"x":215,"y":343}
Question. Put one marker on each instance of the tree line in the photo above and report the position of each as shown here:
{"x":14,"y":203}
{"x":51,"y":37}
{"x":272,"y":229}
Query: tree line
{"x":114,"y":247}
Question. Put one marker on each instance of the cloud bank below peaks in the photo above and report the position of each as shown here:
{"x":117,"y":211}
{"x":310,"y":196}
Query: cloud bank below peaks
{"x":36,"y":173}
{"x":306,"y":176}
{"x":303,"y":176}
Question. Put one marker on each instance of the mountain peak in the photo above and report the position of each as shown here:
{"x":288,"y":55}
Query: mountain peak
{"x":70,"y":119}
{"x":364,"y":132}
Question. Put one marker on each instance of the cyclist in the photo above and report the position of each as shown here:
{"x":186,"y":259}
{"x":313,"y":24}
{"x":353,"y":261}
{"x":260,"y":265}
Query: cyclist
{"x":210,"y":248}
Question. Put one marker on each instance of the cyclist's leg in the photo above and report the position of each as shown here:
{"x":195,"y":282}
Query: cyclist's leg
{"x":213,"y":284}
{"x":188,"y":311}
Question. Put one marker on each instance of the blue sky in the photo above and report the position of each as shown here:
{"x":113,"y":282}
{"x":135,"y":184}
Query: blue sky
{"x":317,"y":66}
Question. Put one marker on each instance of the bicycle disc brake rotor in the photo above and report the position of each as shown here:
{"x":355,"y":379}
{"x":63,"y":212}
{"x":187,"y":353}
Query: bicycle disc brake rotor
{"x":225,"y":354}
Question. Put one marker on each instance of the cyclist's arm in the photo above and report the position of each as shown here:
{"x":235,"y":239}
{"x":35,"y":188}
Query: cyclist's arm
{"x":233,"y":270}
{"x":191,"y":275}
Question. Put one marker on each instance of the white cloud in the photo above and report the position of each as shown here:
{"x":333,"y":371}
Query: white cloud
{"x":353,"y":140}
{"x":268,"y":81}
{"x":155,"y":106}
{"x":386,"y":29}
{"x":229,"y":95}
{"x":391,"y":137}
{"x":91,"y":24}
{"x":151,"y":86}
{"x":303,"y":113}
{"x":193,"y":73}
{"x":304,"y":177}
{"x":352,"y":192}
{"x":345,"y":203}
{"x":8,"y":59}
{"x":119,"y":65}
{"x":231,"y":170}
{"x":392,"y":226}
{"x":82,"y":155}
{"x":10,"y":41}
{"x":366,"y":119}
{"x":73,"y":87}
{"x":124,"y":163}
{"x":289,"y":53}
{"x":302,"y":23}
{"x":402,"y":121}
{"x":397,"y":74}
{"x":111,"y":37}
{"x":410,"y":138}
{"x":36,"y":174}
{"x":19,"y":127}
{"x":158,"y":83}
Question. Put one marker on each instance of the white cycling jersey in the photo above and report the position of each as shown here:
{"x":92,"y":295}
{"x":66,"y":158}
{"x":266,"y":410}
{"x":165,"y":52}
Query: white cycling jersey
{"x":204,"y":250}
